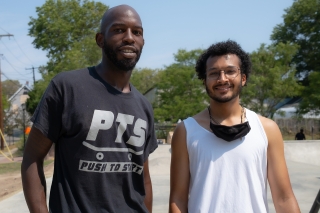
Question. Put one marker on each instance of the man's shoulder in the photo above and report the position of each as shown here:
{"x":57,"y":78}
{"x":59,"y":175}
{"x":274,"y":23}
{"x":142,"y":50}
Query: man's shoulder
{"x":267,"y":123}
{"x":70,"y":75}
{"x":71,"y":78}
{"x":140,"y":96}
{"x":201,"y":116}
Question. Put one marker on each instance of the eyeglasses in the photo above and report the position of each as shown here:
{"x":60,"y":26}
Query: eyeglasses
{"x":229,"y":73}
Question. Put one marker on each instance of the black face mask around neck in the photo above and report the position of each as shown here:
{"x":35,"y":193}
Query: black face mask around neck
{"x":230,"y":133}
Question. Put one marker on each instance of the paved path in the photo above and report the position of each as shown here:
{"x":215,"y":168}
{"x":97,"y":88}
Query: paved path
{"x":305,"y":180}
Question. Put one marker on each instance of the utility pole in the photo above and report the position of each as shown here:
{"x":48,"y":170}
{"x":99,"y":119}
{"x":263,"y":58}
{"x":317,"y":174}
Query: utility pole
{"x":1,"y":108}
{"x":32,"y":68}
{"x":5,"y":35}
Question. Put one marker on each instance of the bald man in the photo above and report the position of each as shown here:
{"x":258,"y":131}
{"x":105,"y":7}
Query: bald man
{"x":102,"y":128}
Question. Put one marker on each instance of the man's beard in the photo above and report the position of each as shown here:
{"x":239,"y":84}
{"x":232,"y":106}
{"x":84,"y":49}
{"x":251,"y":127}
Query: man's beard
{"x":236,"y":93}
{"x":124,"y":64}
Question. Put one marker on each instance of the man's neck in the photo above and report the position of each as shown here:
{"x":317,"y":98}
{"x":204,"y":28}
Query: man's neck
{"x":119,"y":79}
{"x":228,"y":113}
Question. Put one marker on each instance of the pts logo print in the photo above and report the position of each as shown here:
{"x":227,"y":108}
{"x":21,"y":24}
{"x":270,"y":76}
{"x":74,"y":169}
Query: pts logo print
{"x":103,"y":120}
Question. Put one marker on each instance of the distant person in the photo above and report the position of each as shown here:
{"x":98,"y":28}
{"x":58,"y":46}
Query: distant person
{"x":102,"y":127}
{"x":223,"y":156}
{"x":300,"y":135}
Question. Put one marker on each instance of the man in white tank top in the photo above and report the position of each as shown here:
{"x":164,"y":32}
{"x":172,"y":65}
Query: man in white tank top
{"x":223,"y":156}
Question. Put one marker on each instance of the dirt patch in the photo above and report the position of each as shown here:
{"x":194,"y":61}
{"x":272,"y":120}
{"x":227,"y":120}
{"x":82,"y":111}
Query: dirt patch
{"x":11,"y":182}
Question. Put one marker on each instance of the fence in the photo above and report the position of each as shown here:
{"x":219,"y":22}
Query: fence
{"x":289,"y":127}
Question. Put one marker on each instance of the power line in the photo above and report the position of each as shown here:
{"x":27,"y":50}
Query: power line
{"x":12,"y":53}
{"x":19,"y":79}
{"x":22,"y":50}
{"x":2,"y":73}
{"x":4,"y":30}
{"x":12,"y":66}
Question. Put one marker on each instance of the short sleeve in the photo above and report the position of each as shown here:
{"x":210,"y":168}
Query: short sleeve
{"x":151,"y":143}
{"x":48,"y":114}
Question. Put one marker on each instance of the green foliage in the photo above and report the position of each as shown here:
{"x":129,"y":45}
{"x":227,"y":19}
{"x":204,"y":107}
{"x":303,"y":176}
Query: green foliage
{"x":83,"y":54}
{"x":9,"y":87}
{"x":20,"y":145}
{"x":36,"y":93}
{"x":301,"y":25}
{"x":5,"y":102}
{"x":66,"y":29}
{"x":187,"y":58}
{"x":64,"y":25}
{"x":144,"y":79}
{"x":180,"y":94}
{"x":311,"y":95}
{"x":272,"y":78}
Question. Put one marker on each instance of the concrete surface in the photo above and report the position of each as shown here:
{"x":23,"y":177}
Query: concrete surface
{"x":17,"y":203}
{"x":303,"y":151}
{"x":305,"y":180}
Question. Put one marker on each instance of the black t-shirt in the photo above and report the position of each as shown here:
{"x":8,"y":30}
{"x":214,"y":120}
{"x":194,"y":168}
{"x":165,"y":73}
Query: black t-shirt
{"x":300,"y":136}
{"x":102,"y":139}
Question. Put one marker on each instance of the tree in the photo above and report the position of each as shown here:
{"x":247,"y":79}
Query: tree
{"x":9,"y":87}
{"x":65,"y":25}
{"x":311,"y":96}
{"x":272,"y":78}
{"x":66,"y":30}
{"x":5,"y":102}
{"x":187,"y":58}
{"x":180,"y":93}
{"x":301,"y":25}
{"x":36,"y":93}
{"x":13,"y":119}
{"x":83,"y":54}
{"x":144,"y":79}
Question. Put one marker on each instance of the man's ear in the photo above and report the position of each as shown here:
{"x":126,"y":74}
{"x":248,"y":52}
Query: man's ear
{"x":243,"y":79}
{"x":100,"y":40}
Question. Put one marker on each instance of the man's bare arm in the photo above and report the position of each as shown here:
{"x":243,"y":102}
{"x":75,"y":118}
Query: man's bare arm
{"x":148,"y":186}
{"x":278,"y":177}
{"x":33,"y":179}
{"x":180,"y":172}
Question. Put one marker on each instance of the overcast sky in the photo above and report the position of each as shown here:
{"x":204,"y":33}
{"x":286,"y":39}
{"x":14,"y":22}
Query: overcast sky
{"x":168,"y":26}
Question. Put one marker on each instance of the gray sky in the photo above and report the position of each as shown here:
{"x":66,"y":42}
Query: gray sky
{"x":168,"y":26}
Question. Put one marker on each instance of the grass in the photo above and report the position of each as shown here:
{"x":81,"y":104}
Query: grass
{"x":308,"y":137}
{"x":18,"y":153}
{"x":15,"y":166}
{"x":19,"y":145}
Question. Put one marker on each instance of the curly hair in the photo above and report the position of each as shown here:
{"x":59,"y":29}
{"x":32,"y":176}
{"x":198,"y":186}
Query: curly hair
{"x":223,"y":48}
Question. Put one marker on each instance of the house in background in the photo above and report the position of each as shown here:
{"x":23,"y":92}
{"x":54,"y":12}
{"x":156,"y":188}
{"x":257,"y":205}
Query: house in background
{"x":17,"y":111}
{"x":19,"y":97}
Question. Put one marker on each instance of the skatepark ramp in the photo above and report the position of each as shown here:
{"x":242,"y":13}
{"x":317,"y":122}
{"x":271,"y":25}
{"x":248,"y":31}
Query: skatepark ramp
{"x":303,"y":151}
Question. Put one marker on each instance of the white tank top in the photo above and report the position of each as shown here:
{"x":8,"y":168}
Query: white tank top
{"x":227,"y":177}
